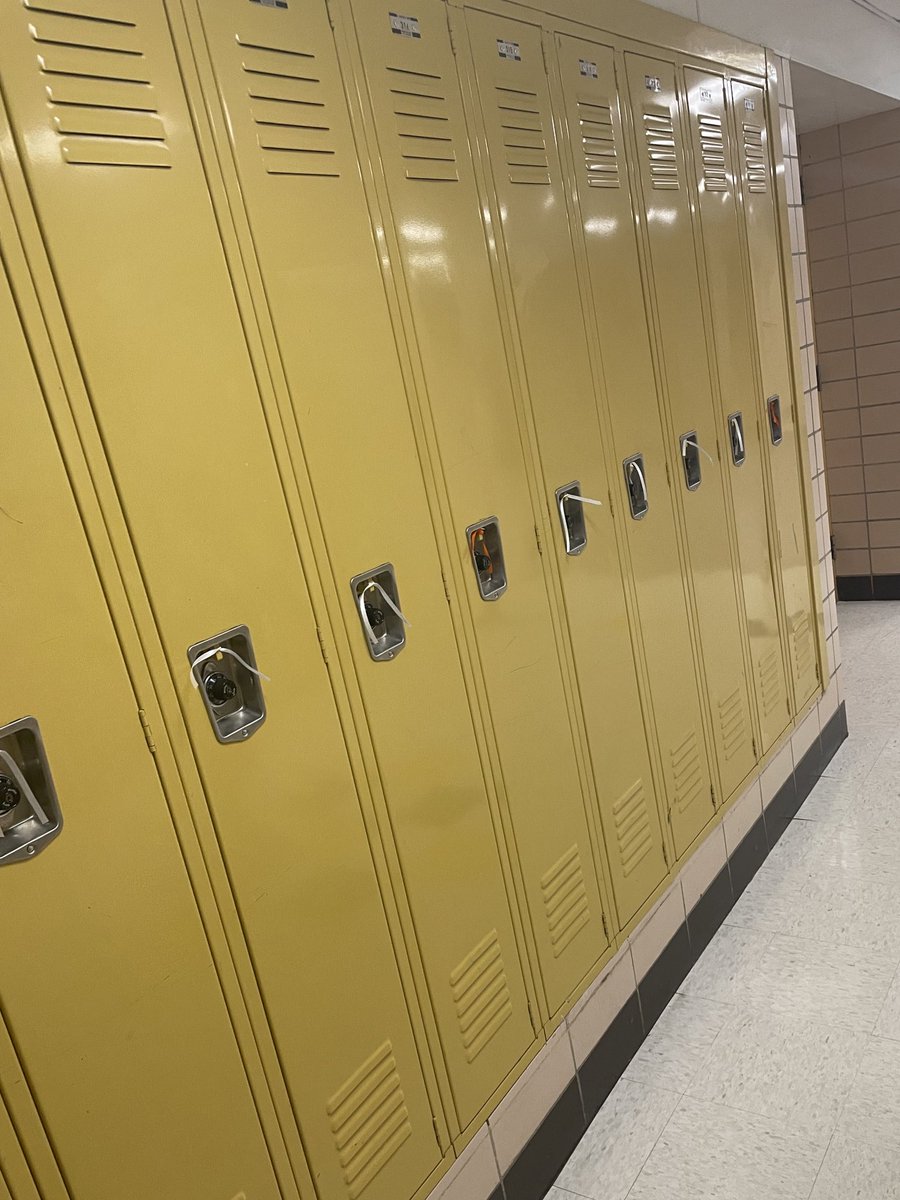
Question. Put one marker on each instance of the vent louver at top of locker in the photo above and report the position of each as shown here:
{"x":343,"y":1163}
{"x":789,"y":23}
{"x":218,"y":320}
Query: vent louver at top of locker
{"x":423,"y":123}
{"x":659,"y":132}
{"x":598,"y":142}
{"x":102,"y":99}
{"x":525,"y":147}
{"x":712,"y":152}
{"x":288,"y":109}
{"x":755,"y":157}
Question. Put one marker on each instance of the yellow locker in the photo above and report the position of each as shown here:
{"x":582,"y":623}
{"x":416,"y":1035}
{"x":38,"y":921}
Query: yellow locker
{"x":530,"y":212}
{"x":715,"y":175}
{"x":694,"y":459}
{"x":283,"y":108}
{"x":106,"y":981}
{"x":105,"y":136}
{"x":418,"y":119}
{"x":776,"y":405}
{"x":591,"y":126}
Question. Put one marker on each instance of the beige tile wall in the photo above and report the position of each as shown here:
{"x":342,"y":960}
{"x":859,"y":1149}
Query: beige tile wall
{"x":851,"y":178}
{"x":835,"y":355}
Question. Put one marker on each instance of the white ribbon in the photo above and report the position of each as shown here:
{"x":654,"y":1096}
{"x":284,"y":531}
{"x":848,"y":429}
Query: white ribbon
{"x":580,"y":499}
{"x":202,"y":658}
{"x":373,"y":583}
{"x":693,"y":442}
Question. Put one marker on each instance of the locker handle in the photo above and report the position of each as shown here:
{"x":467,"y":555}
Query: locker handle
{"x":562,"y":496}
{"x":361,"y":601}
{"x":639,"y":505}
{"x":736,"y":432}
{"x":22,"y":784}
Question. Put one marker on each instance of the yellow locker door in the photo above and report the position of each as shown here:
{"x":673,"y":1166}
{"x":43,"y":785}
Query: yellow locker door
{"x":515,"y":103}
{"x":414,"y":92}
{"x":740,"y":440}
{"x":105,"y":136}
{"x":694,"y":458}
{"x":106,"y":979}
{"x":276,"y":72}
{"x":604,"y":215}
{"x":758,"y":184}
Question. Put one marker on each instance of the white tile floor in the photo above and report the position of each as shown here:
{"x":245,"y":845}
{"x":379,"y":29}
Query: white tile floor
{"x":774,"y":1074}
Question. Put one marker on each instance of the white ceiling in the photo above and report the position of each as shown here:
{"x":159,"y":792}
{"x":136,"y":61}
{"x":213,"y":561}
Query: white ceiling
{"x":853,"y":40}
{"x":821,"y":100}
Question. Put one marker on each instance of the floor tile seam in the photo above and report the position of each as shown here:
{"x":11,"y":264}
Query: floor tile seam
{"x":749,"y":1112}
{"x":815,"y":1182}
{"x":760,"y":1008}
{"x":649,"y":1154}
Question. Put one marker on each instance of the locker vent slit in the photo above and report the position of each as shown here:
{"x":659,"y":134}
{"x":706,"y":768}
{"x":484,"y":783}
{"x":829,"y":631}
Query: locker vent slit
{"x":424,"y":128}
{"x":524,"y":142}
{"x":565,"y":900}
{"x":369,"y":1119}
{"x":288,"y":110}
{"x":481,"y":995}
{"x":99,"y":84}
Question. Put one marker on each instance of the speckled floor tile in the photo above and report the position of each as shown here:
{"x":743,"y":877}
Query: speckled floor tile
{"x":709,"y":1152}
{"x":838,"y":985}
{"x":672,"y":1054}
{"x":854,"y":1171}
{"x":872,"y":1111}
{"x":618,"y":1142}
{"x":788,"y":1070}
{"x":823,"y":908}
{"x":857,"y":756}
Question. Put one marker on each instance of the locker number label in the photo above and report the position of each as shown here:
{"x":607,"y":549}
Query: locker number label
{"x":705,"y":94}
{"x":405,"y":26}
{"x":509,"y":50}
{"x":588,"y":69}
{"x":271,"y":3}
{"x":652,"y":83}
{"x":750,"y":105}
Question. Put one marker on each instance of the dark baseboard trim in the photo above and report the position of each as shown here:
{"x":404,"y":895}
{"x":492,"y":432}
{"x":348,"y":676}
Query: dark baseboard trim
{"x":868,"y":587}
{"x":532,"y":1174}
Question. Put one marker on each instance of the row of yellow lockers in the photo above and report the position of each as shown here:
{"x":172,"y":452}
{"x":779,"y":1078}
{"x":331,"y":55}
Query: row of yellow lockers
{"x":405,"y":508}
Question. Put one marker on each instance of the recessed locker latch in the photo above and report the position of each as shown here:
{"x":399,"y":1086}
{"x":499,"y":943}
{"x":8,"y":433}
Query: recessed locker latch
{"x":636,"y":486}
{"x":224,"y":671}
{"x":30,"y":817}
{"x":690,"y":460}
{"x":773,"y":408}
{"x":736,"y":438}
{"x":486,"y":553}
{"x":378,"y":605}
{"x":570,"y":506}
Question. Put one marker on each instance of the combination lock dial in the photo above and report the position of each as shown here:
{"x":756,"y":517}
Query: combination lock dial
{"x":219,"y":688}
{"x":9,"y":795}
{"x":374,"y":615}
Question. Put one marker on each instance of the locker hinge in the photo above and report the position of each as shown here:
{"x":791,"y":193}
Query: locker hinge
{"x":802,"y":193}
{"x":818,"y":672}
{"x":668,"y":476}
{"x":148,"y":732}
{"x":446,"y":588}
{"x":330,"y":17}
{"x":665,"y":855}
{"x":833,"y":549}
{"x":712,"y":794}
{"x":537,"y":538}
{"x":753,"y":744}
{"x":818,"y":378}
{"x":452,"y":34}
{"x":322,"y":645}
{"x":605,"y":926}
{"x":544,"y":57}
